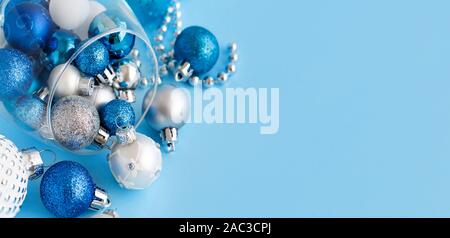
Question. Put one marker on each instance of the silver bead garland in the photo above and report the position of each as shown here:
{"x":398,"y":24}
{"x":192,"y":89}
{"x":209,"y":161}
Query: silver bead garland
{"x":173,"y":20}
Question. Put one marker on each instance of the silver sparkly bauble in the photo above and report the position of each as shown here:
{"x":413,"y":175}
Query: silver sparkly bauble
{"x":16,"y":169}
{"x":170,"y":108}
{"x":136,"y":165}
{"x":75,"y":122}
{"x":102,"y":95}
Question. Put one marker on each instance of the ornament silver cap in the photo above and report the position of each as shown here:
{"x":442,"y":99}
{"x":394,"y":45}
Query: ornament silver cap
{"x":183,"y":72}
{"x":128,"y":95}
{"x":101,"y":200}
{"x":34,"y":162}
{"x":169,"y":137}
{"x":42,"y":93}
{"x":86,"y":86}
{"x":102,"y":137}
{"x":126,"y":135}
{"x":107,"y":77}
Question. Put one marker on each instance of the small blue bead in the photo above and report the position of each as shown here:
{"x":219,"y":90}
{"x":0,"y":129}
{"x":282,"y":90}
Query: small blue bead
{"x":28,"y":27}
{"x":94,"y":59}
{"x":199,"y":47}
{"x":16,"y":74}
{"x":60,"y":48}
{"x":67,"y":189}
{"x":30,"y":111}
{"x":118,"y":44}
{"x":116,"y":114}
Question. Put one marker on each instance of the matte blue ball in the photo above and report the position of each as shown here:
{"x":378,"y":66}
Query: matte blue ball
{"x":116,"y":114}
{"x":28,"y":27}
{"x":30,"y":111}
{"x":94,"y":59}
{"x":14,"y":3}
{"x":16,"y":74}
{"x":118,"y":44}
{"x":67,"y":189}
{"x":61,"y":46}
{"x":199,"y":47}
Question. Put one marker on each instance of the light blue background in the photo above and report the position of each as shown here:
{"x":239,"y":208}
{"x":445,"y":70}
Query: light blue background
{"x":365,"y":117}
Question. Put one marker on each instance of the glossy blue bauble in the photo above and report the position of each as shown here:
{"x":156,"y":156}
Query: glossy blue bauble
{"x":116,"y":114}
{"x":199,"y":47}
{"x":28,"y":27}
{"x":13,"y":3}
{"x":94,"y":59}
{"x":118,"y":44}
{"x":30,"y":111}
{"x":16,"y":74}
{"x":61,"y":46}
{"x":67,"y":189}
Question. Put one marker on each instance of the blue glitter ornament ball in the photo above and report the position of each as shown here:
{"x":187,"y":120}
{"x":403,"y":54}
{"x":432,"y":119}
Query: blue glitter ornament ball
{"x":61,"y":46}
{"x":28,"y":27}
{"x":150,"y":12}
{"x":199,"y":47}
{"x":119,"y":44}
{"x":30,"y":111}
{"x":16,"y":74}
{"x":116,"y":114}
{"x":94,"y":59}
{"x":67,"y":189}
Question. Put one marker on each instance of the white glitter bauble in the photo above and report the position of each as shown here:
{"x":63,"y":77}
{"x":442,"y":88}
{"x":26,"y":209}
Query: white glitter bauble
{"x":13,"y":179}
{"x":136,"y":165}
{"x":95,"y":9}
{"x":69,"y":14}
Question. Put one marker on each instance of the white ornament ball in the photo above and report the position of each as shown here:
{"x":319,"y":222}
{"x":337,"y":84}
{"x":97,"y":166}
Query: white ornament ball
{"x":94,"y":10}
{"x":102,"y":95}
{"x":137,"y":165}
{"x":13,"y":179}
{"x":68,"y":84}
{"x":69,"y":14}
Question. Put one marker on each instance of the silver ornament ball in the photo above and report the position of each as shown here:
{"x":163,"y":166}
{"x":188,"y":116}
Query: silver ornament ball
{"x":75,"y":122}
{"x":101,"y":96}
{"x":170,"y":108}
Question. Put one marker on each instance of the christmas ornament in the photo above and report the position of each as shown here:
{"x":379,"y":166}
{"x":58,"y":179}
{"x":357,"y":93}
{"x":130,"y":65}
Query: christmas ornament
{"x":102,"y":95}
{"x":94,"y":59}
{"x":150,"y":12}
{"x":28,"y":27}
{"x":119,"y":44}
{"x":194,"y":54}
{"x":198,"y":47}
{"x":136,"y":161}
{"x":30,"y":110}
{"x":95,"y":9}
{"x":116,"y":114}
{"x":16,"y":169}
{"x":107,"y":214}
{"x":75,"y":122}
{"x":16,"y":74}
{"x":13,"y":3}
{"x":69,"y":81}
{"x":68,"y":191}
{"x":60,"y":48}
{"x":127,"y":79}
{"x":69,"y":14}
{"x":168,"y":113}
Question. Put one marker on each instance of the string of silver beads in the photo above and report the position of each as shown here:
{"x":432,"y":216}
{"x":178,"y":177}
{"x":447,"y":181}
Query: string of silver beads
{"x":168,"y":64}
